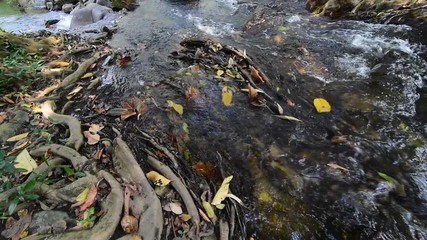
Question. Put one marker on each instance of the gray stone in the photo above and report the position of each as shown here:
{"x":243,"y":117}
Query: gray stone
{"x":18,"y":120}
{"x":67,"y":8}
{"x":89,"y":14}
{"x":48,"y":221}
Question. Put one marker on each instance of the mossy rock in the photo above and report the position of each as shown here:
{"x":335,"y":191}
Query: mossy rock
{"x":120,"y":4}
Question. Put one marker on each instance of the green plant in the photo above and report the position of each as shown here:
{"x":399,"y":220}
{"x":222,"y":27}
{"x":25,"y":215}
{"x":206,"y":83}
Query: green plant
{"x":18,"y":68}
{"x":24,"y":193}
{"x":7,"y":166}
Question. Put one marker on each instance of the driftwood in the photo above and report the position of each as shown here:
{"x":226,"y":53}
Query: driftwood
{"x":72,"y":155}
{"x":107,"y":224}
{"x":76,"y":137}
{"x":145,"y":203}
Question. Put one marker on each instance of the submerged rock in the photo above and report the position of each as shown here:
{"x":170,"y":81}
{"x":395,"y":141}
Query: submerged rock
{"x":89,"y":14}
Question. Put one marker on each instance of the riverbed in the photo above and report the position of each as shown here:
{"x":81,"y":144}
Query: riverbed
{"x":285,"y":171}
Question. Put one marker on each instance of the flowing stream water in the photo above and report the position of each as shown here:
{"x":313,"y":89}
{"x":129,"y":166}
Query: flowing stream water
{"x":372,"y":74}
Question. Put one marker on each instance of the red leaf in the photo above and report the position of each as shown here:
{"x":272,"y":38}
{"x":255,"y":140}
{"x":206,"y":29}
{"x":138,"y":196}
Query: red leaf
{"x":206,"y":170}
{"x":124,"y":61}
{"x":90,"y":199}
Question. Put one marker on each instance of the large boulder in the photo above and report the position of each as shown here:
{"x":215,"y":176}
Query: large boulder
{"x":88,"y":14}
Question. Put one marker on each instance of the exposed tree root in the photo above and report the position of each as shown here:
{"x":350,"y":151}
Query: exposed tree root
{"x":145,"y":203}
{"x":76,"y":137}
{"x":179,"y":187}
{"x":44,"y":167}
{"x":76,"y":187}
{"x":107,"y":224}
{"x":76,"y":75}
{"x":72,"y":155}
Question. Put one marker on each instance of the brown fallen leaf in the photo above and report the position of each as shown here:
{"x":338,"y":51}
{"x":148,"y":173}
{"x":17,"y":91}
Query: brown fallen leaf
{"x":255,"y":75}
{"x":92,"y":139}
{"x":192,"y":93}
{"x":278,"y":39}
{"x":338,"y":139}
{"x":124,"y":61}
{"x":3,"y":117}
{"x":336,"y":166}
{"x":60,"y":64}
{"x":74,"y":92}
{"x":90,"y":199}
{"x":127,"y":115}
{"x":47,"y":90}
{"x":8,"y":100}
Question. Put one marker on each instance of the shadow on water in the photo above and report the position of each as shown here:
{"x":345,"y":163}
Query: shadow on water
{"x":285,"y":171}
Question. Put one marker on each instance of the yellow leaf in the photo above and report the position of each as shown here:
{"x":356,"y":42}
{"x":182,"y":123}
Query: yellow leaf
{"x":219,"y":72}
{"x":222,"y":192}
{"x":185,"y":217}
{"x":177,"y":107}
{"x":25,"y":161}
{"x":87,"y":75}
{"x":158,"y":179}
{"x":83,"y":195}
{"x":227,"y":96}
{"x":17,"y":137}
{"x":321,"y":105}
{"x":74,"y":92}
{"x":209,"y":210}
{"x":59,"y":64}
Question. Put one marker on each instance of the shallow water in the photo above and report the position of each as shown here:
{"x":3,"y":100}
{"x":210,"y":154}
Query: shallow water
{"x":370,"y":74}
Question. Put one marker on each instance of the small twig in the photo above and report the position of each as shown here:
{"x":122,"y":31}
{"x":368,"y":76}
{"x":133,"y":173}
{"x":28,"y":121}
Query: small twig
{"x":151,"y":140}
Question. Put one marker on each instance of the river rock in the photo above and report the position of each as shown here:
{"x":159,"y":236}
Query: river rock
{"x":49,"y":221}
{"x":67,"y":8}
{"x":18,"y":120}
{"x":89,"y":14}
{"x":338,"y":8}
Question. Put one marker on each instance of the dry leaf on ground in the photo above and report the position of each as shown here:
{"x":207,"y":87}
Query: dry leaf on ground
{"x":26,"y":162}
{"x":90,"y":199}
{"x":17,"y":137}
{"x":157,"y":179}
{"x":336,"y":166}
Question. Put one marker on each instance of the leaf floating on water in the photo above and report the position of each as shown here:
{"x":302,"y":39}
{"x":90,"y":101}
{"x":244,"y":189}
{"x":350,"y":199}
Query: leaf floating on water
{"x":219,"y":73}
{"x":177,"y":107}
{"x":255,"y":75}
{"x":321,"y":105}
{"x":290,"y":118}
{"x":158,"y":179}
{"x":222,"y":192}
{"x":192,"y":93}
{"x":336,"y":166}
{"x":26,"y":162}
{"x":17,"y":137}
{"x":227,"y":96}
{"x":124,"y":61}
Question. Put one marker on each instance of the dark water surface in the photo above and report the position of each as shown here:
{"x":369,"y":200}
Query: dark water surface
{"x":370,"y":73}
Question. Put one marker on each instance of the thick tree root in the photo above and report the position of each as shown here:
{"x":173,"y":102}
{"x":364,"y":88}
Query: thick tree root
{"x":179,"y":187}
{"x":145,"y":203}
{"x":72,"y":155}
{"x":44,"y":167}
{"x":107,"y":224}
{"x":76,"y":136}
{"x":76,"y":75}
